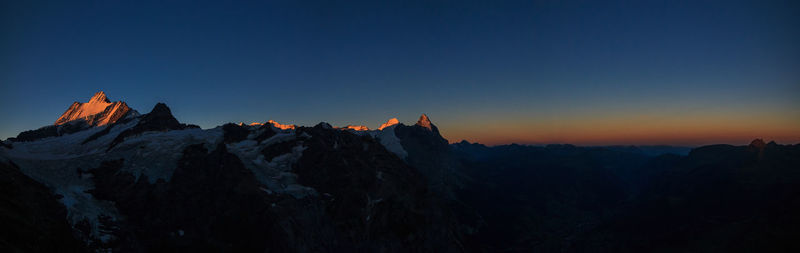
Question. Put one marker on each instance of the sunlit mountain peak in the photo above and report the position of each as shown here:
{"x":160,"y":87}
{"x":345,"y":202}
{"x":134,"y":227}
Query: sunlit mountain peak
{"x":97,"y":112}
{"x":281,"y":126}
{"x":391,"y":122}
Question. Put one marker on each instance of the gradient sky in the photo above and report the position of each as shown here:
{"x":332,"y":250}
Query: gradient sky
{"x":581,"y":72}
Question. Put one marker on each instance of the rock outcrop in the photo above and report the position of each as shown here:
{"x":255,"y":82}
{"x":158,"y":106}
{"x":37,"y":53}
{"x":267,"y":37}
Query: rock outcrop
{"x":158,"y":119}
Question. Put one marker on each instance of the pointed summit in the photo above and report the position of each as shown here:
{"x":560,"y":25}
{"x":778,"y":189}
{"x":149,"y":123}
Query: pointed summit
{"x":159,"y":119}
{"x":97,"y":112}
{"x":424,"y":121}
{"x":99,"y":97}
{"x":391,"y":122}
{"x":161,"y":109}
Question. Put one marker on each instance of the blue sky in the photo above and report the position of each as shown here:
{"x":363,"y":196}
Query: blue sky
{"x":490,"y":71}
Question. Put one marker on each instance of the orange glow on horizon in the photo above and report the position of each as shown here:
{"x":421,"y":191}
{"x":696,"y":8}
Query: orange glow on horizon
{"x":647,"y":130}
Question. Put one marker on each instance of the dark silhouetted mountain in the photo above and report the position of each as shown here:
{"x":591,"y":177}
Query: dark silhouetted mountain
{"x":535,"y":198}
{"x":719,"y":198}
{"x":652,"y":150}
{"x":429,"y":152}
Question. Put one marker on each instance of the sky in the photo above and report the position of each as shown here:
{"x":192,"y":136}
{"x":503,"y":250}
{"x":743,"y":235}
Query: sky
{"x":494,"y":72}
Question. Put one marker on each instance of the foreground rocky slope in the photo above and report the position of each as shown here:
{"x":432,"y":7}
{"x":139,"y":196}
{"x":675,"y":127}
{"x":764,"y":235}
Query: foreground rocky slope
{"x":34,"y":219}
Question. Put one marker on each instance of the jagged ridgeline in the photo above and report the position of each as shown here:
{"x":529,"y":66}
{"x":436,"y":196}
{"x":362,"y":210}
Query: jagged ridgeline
{"x":146,"y":182}
{"x":107,"y":178}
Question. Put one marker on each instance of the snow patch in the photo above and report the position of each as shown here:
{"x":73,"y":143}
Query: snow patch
{"x":274,"y":175}
{"x":389,"y":140}
{"x":156,"y":154}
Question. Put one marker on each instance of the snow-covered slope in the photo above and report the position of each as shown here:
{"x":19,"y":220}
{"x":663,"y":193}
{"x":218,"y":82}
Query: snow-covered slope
{"x":389,"y":140}
{"x":61,"y":163}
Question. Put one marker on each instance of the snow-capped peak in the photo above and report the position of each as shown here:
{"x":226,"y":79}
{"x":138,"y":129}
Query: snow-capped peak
{"x":97,"y":112}
{"x":281,"y":126}
{"x":356,"y":128}
{"x":391,"y":122}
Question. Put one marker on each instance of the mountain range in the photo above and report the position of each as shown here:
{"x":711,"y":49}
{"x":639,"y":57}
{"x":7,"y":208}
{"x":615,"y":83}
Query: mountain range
{"x":104,"y":177}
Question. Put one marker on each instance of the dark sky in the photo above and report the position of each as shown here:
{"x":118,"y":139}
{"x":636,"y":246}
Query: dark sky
{"x":583,"y":72}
